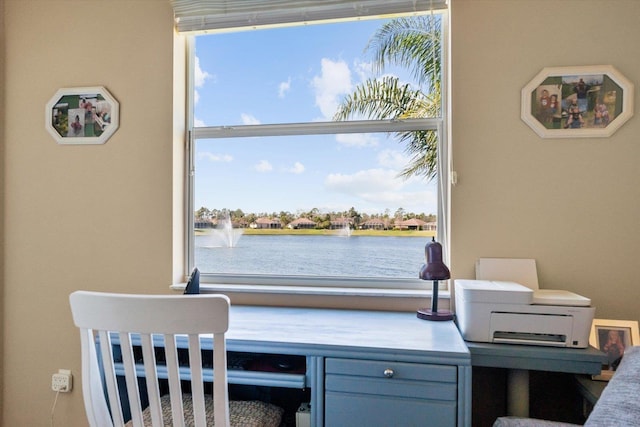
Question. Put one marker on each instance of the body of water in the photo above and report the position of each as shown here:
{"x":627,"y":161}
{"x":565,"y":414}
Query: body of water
{"x":355,"y":256}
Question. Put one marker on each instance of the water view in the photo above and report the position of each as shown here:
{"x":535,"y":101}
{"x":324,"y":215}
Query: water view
{"x":323,"y":255}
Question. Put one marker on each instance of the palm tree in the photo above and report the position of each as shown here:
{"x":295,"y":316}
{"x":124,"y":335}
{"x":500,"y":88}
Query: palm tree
{"x":413,"y":43}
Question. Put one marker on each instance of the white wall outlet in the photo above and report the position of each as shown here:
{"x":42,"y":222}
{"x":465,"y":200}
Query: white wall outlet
{"x":62,"y":381}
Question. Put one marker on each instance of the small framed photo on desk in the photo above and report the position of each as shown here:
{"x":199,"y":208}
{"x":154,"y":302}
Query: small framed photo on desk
{"x":612,"y":337}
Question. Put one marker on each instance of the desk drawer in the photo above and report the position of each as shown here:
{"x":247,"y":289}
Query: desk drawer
{"x":376,"y":369}
{"x":384,"y":393}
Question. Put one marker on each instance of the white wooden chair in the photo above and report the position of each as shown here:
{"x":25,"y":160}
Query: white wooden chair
{"x":105,"y":316}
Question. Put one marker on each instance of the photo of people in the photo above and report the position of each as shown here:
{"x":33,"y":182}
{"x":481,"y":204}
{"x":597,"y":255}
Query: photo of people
{"x":76,"y":122}
{"x":548,"y":106}
{"x":613,"y":337}
{"x":78,"y":116}
{"x":576,"y":101}
{"x":82,"y":115}
{"x":613,"y":341}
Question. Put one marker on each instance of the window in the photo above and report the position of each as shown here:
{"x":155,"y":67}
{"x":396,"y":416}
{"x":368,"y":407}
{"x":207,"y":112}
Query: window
{"x":300,"y":172}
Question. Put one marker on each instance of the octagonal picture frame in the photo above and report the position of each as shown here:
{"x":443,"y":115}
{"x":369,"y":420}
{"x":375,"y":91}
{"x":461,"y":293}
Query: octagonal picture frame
{"x":577,"y":102}
{"x":82,"y":115}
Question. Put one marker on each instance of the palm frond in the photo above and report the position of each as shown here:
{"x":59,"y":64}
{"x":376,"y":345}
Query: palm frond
{"x":412,"y":43}
{"x":415,"y":44}
{"x":381,"y":99}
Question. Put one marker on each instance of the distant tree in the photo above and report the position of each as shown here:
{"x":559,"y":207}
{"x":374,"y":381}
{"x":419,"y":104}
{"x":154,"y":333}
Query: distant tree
{"x":237,"y":214}
{"x":203,"y":213}
{"x":286,"y":218}
{"x":355,"y":217}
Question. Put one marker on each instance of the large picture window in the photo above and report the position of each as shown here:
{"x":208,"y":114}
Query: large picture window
{"x":318,"y":152}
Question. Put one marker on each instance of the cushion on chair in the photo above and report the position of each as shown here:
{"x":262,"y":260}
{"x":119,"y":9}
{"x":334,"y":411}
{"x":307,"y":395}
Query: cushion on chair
{"x":619,"y":404}
{"x":528,"y":422}
{"x":242,"y":413}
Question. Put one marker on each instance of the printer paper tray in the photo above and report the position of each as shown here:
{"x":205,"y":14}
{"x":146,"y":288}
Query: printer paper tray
{"x":529,"y":338}
{"x":530,"y":328}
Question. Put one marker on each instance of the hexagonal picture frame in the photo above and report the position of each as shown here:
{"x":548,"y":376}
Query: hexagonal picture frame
{"x":82,"y":115}
{"x":577,"y":102}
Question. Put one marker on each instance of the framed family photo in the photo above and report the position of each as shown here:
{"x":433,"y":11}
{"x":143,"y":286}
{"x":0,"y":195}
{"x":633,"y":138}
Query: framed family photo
{"x":612,"y":337}
{"x":82,"y":115}
{"x":575,"y":102}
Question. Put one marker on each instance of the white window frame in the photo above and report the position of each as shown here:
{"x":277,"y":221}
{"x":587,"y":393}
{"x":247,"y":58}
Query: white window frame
{"x":327,"y":285}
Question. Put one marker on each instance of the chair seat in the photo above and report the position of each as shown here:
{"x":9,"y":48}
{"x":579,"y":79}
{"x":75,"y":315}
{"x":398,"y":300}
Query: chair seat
{"x":242,"y":413}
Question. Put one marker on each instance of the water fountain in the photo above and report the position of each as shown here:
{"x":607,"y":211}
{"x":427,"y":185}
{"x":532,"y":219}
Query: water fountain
{"x":345,"y":231}
{"x":224,"y":235}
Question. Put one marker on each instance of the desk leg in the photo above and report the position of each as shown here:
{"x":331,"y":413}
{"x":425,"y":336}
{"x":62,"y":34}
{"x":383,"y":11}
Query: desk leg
{"x":518,"y":392}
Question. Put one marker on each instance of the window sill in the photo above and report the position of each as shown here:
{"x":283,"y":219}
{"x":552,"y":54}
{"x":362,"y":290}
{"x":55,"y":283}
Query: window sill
{"x":315,"y":290}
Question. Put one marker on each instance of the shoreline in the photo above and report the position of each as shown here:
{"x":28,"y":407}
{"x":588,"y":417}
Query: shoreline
{"x":314,"y":232}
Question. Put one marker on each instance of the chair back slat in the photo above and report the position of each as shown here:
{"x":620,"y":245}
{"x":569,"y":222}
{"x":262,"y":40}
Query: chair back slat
{"x":151,"y":379}
{"x":131,"y":379}
{"x":135,"y":318}
{"x":173,"y":373}
{"x":219,"y":378}
{"x":197,"y":381}
{"x":94,"y":401}
{"x":110,"y":377}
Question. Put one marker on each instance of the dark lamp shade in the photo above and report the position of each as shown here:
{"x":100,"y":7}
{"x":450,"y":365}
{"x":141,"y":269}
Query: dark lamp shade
{"x":434,"y":269}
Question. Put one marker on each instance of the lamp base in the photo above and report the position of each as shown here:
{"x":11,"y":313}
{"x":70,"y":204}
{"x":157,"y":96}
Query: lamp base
{"x":439,"y":315}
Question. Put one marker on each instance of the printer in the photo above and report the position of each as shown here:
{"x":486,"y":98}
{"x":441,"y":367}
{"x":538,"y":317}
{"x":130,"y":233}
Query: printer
{"x":505,"y":311}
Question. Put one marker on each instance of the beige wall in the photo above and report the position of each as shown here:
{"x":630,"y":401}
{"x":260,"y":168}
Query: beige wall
{"x":93,"y":217}
{"x":2,"y":121}
{"x":104,"y":217}
{"x":572,"y":204}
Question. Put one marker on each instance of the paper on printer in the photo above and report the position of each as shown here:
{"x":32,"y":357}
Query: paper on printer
{"x":495,"y":308}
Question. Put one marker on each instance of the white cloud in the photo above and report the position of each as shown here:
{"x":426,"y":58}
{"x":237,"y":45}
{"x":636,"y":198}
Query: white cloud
{"x":263,"y":166}
{"x":393,"y":159}
{"x":363,"y":181}
{"x":248,"y":119}
{"x":215,"y":157}
{"x":357,"y":139}
{"x":200,"y":76}
{"x":334,"y":81}
{"x":380,"y":187}
{"x":297,"y":168}
{"x":363,"y":69}
{"x":284,"y":87}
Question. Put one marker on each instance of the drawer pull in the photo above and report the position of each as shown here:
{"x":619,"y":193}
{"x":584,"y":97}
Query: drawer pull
{"x":388,"y":373}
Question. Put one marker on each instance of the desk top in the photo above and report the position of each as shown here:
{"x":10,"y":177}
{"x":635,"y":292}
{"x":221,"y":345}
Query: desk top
{"x":538,"y":358}
{"x":334,"y":332}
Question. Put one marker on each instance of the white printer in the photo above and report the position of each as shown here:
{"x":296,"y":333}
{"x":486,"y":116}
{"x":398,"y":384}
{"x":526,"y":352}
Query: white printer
{"x":503,"y":311}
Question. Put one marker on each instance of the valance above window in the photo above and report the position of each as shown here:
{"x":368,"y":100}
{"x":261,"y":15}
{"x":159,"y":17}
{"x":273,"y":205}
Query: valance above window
{"x":216,"y":15}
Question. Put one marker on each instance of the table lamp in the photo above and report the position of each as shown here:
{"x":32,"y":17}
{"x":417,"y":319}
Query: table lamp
{"x":434,"y":270}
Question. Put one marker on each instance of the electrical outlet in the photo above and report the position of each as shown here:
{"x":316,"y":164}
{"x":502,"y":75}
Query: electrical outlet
{"x":62,"y":381}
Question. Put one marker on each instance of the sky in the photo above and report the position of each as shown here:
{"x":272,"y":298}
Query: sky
{"x":295,"y":74}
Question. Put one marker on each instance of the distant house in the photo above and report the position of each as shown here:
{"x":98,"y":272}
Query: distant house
{"x":340,"y":223}
{"x":431,"y":226}
{"x":374,"y":224}
{"x":301,"y":223}
{"x":203,"y":223}
{"x":268,"y":223}
{"x":222,"y":223}
{"x":411,"y":224}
